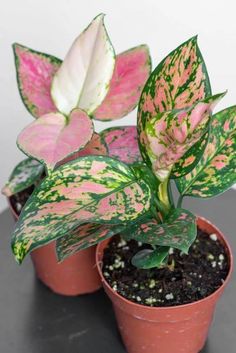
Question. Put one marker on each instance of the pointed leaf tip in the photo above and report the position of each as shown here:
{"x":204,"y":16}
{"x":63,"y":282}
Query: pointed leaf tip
{"x":84,"y":77}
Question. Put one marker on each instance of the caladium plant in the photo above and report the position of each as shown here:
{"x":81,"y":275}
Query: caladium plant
{"x":64,"y":96}
{"x":129,"y":191}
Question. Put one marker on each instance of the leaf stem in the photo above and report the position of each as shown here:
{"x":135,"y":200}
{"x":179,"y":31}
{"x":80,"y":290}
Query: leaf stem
{"x":170,"y":194}
{"x":179,"y":204}
{"x":163,"y":196}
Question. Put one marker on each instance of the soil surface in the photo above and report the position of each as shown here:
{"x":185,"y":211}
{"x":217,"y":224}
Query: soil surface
{"x":18,"y":200}
{"x":187,"y":278}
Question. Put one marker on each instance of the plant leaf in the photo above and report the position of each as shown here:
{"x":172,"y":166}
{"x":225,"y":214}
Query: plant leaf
{"x":84,"y":77}
{"x":25,"y":174}
{"x":52,"y":137}
{"x":148,"y":258}
{"x":35,"y":71}
{"x":95,"y":146}
{"x":216,"y":170}
{"x":90,"y":189}
{"x":179,"y":81}
{"x":169,"y":135}
{"x":178,"y":231}
{"x":190,"y":159}
{"x":83,"y":237}
{"x":130,"y":74}
{"x":122,"y":143}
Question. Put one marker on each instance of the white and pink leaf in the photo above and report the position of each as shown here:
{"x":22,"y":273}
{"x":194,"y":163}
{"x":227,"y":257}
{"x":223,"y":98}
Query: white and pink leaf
{"x":84,"y":77}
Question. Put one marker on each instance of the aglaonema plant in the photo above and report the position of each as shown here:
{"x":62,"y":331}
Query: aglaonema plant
{"x":65,"y":96}
{"x":129,"y":191}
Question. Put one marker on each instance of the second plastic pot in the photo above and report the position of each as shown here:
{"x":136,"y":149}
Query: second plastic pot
{"x":176,"y":329}
{"x":76,"y":275}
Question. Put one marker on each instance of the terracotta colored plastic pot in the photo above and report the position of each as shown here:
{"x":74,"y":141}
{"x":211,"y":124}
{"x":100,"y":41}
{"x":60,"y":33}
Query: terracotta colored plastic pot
{"x":75,"y":275}
{"x":177,"y":329}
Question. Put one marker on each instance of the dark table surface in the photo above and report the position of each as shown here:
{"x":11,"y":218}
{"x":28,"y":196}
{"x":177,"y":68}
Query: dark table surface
{"x":34,"y":320}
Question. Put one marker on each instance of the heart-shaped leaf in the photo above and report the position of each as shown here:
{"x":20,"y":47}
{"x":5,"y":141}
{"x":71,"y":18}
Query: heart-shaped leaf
{"x":25,"y":174}
{"x":169,"y":135}
{"x":131,"y":72}
{"x":35,"y":71}
{"x":84,"y":77}
{"x":216,"y":170}
{"x":122,"y":143}
{"x":178,"y":231}
{"x":83,"y":237}
{"x":148,"y":258}
{"x":88,"y":190}
{"x":179,"y":81}
{"x":53,"y":137}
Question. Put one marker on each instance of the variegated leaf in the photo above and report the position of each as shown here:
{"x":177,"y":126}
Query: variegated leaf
{"x":88,"y":190}
{"x":83,"y":237}
{"x":148,"y":258}
{"x":179,"y":81}
{"x":96,"y":146}
{"x":190,"y":159}
{"x":178,"y":231}
{"x":169,"y":135}
{"x":132,"y":70}
{"x":216,"y":170}
{"x":35,"y":71}
{"x":53,"y":137}
{"x":122,"y":143}
{"x":84,"y":77}
{"x":26,"y":173}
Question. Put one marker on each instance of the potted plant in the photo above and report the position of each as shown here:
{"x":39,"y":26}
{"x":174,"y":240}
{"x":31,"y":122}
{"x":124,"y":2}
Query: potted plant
{"x":64,"y":97}
{"x":166,"y":268}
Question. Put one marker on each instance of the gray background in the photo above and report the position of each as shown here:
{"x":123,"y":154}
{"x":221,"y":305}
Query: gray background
{"x":34,"y":320}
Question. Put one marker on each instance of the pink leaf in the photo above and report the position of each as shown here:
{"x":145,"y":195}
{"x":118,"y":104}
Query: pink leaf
{"x":122,"y":143}
{"x":131,"y":72}
{"x":94,"y":147}
{"x":53,"y":137}
{"x":35,"y":71}
{"x":169,"y":135}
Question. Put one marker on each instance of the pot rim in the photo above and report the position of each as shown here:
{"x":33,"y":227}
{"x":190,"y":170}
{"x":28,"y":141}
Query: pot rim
{"x":175,"y":307}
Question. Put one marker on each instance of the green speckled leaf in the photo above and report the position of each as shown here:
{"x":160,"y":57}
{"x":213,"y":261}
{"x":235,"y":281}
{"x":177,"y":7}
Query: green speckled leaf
{"x":148,"y":258}
{"x":179,"y":81}
{"x":83,"y":237}
{"x":216,"y":170}
{"x":178,"y":231}
{"x":25,"y":174}
{"x":169,"y":135}
{"x":190,"y":159}
{"x":88,"y":190}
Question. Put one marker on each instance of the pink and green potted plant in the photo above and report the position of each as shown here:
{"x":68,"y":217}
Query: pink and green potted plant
{"x":163,"y":267}
{"x":64,"y":97}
